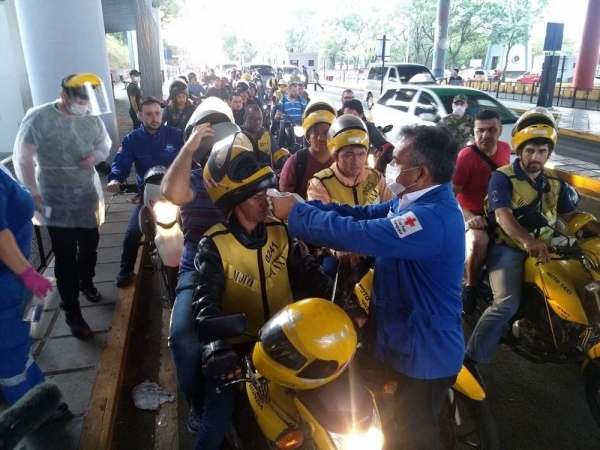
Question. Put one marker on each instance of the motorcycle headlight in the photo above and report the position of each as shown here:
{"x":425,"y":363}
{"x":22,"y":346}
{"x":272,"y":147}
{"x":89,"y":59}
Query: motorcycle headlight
{"x":166,"y":212}
{"x":302,"y":78}
{"x":298,"y":131}
{"x":371,"y":439}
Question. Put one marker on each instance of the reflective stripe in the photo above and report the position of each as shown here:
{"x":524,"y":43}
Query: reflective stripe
{"x":17,"y":379}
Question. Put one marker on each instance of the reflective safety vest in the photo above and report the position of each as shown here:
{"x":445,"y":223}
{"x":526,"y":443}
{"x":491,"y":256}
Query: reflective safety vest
{"x":364,"y":193}
{"x":264,"y":146}
{"x":525,"y":198}
{"x":256,"y":280}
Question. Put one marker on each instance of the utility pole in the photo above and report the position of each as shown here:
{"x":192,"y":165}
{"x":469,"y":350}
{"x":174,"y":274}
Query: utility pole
{"x":383,"y":41}
{"x":441,"y":38}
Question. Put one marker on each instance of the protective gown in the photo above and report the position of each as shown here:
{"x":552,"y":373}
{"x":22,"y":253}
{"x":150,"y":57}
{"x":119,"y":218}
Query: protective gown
{"x":47,"y":152}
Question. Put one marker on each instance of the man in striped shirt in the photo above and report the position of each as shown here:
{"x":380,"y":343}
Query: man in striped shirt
{"x":289,"y":110}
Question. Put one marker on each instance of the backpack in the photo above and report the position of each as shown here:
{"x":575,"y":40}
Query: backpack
{"x":301,"y":162}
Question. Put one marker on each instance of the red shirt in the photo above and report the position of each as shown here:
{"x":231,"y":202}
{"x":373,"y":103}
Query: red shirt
{"x":288,"y":173}
{"x":473,"y":174}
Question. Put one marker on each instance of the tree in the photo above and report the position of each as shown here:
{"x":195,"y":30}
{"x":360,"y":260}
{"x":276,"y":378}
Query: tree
{"x":569,"y":47}
{"x":169,"y":9}
{"x":230,"y":46}
{"x":247,"y":50}
{"x":513,"y":20}
{"x":300,"y":38}
{"x":420,"y":15}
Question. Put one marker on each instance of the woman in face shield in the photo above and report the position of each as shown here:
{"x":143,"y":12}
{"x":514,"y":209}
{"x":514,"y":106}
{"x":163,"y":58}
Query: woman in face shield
{"x":56,"y":149}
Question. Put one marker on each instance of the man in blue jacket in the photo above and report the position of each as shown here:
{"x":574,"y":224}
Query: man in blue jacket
{"x":153,"y":144}
{"x":418,"y":239}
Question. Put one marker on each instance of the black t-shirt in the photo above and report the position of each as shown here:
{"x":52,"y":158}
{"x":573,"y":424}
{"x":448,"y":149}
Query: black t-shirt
{"x":133,"y":90}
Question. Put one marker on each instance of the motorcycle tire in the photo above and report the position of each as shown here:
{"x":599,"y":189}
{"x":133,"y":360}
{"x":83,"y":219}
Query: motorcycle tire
{"x":477,"y":428}
{"x":591,"y":380}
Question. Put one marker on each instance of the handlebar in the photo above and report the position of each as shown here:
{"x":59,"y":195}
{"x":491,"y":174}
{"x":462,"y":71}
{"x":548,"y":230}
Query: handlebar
{"x":566,"y":252}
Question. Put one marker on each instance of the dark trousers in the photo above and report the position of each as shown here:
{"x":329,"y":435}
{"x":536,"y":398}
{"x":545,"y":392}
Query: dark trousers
{"x":75,"y":253}
{"x":418,"y":407}
{"x":134,"y":118}
{"x":131,"y":241}
{"x":318,"y":84}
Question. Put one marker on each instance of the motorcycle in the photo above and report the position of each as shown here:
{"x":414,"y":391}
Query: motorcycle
{"x":160,"y":222}
{"x":558,"y":319}
{"x":374,"y":152}
{"x":334,"y":413}
{"x":294,"y":136}
{"x":466,"y":420}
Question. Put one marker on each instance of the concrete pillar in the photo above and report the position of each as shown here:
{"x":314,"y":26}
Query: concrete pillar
{"x":14,"y":82}
{"x":587,"y":58}
{"x":148,"y":54}
{"x":441,"y":38}
{"x":62,"y":37}
{"x":133,"y":50}
{"x":161,"y":48}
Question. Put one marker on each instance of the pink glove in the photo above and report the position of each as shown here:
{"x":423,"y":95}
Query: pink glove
{"x":38,"y":284}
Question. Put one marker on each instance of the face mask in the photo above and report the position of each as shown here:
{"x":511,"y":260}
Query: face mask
{"x":76,"y":109}
{"x":136,"y":79}
{"x":459,"y":110}
{"x":391,"y":175}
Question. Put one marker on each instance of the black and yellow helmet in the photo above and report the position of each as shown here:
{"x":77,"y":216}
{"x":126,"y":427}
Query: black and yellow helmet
{"x":347,"y":130}
{"x":305,"y":345}
{"x":233,"y":174}
{"x":279,"y":158}
{"x":534,"y":124}
{"x":318,"y":110}
{"x":215,"y":111}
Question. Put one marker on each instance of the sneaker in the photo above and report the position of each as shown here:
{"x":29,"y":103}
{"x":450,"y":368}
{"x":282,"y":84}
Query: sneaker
{"x":90,"y":292}
{"x":471,"y":366}
{"x":61,"y":412}
{"x":470,"y":295}
{"x":194,"y":420}
{"x":123,"y":278}
{"x":79,"y":328}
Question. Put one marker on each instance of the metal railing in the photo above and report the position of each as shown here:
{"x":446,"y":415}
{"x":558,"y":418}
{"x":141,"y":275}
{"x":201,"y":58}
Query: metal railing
{"x":41,"y":246}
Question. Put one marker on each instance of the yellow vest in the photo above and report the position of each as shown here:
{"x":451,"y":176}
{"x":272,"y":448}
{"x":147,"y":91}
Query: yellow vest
{"x":364,"y":193}
{"x":256,"y":280}
{"x":524,"y":196}
{"x":264,"y":143}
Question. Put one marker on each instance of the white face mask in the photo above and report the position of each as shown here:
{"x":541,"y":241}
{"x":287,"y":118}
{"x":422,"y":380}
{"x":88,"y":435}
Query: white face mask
{"x":391,"y":175}
{"x":136,"y":79}
{"x":76,"y":109}
{"x":459,"y":110}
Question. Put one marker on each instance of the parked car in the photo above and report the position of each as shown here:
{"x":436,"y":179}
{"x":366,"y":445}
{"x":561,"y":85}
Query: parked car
{"x":427,"y":104}
{"x":529,"y":78}
{"x":394,"y":75}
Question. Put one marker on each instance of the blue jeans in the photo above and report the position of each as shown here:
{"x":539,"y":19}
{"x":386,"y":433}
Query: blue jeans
{"x":186,"y":349}
{"x":218,"y":410}
{"x":131,"y":241}
{"x":505,"y":266}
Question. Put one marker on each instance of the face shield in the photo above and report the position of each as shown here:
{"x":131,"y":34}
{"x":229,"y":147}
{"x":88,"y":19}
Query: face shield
{"x":86,"y":94}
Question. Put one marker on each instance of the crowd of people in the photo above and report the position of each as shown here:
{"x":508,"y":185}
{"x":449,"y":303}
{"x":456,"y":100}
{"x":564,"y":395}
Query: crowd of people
{"x":409,"y":212}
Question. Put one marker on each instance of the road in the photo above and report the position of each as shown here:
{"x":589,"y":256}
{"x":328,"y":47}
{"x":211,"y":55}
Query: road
{"x":580,"y":149}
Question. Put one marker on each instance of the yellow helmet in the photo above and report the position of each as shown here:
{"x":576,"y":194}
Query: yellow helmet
{"x":272,"y":82}
{"x":347,"y":130}
{"x":305,"y":345}
{"x":318,"y":110}
{"x":246,"y":76}
{"x":534,"y":124}
{"x":232,"y":174}
{"x":578,"y":222}
{"x":279,"y":158}
{"x":88,"y":87}
{"x":282,"y":83}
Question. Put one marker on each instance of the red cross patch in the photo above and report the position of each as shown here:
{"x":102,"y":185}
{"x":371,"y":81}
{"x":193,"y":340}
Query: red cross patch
{"x":406,"y":224}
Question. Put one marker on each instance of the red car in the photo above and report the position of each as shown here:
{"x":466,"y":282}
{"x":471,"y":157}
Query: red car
{"x":529,"y":77}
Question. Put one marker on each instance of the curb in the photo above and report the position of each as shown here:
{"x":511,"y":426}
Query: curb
{"x":579,"y":181}
{"x":561,"y":131}
{"x":100,"y":417}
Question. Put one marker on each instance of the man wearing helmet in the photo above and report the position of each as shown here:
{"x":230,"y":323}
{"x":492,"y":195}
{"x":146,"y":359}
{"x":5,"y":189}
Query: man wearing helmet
{"x":248,"y":264}
{"x":180,"y":107}
{"x":523,"y":187}
{"x":56,"y":149}
{"x":153,"y":144}
{"x":267,"y":145}
{"x":301,"y":166}
{"x":418,"y":242}
{"x":195,"y":89}
{"x":349,"y":180}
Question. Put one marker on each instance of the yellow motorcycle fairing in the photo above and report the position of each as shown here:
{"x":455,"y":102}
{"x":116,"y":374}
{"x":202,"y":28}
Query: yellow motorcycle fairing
{"x":317,"y":432}
{"x":555,"y":280}
{"x":468,"y":385}
{"x":593,"y":353}
{"x":270,"y":423}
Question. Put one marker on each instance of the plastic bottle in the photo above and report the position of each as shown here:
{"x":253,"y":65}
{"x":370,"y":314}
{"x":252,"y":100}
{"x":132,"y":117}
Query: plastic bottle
{"x":33,"y":310}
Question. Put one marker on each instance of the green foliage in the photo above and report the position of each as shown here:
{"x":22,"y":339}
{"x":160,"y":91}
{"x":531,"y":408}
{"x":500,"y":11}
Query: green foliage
{"x":300,"y":39}
{"x":118,"y":53}
{"x":248,"y":51}
{"x":229,"y":46}
{"x":169,"y":9}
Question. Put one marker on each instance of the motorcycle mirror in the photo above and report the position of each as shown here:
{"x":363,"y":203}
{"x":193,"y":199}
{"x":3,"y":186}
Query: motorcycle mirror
{"x":387,"y":129}
{"x":298,"y":131}
{"x":222,"y":326}
{"x":533,"y":221}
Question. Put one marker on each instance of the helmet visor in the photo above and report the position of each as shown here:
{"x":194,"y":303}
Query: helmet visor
{"x":277,"y":345}
{"x":92,"y":95}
